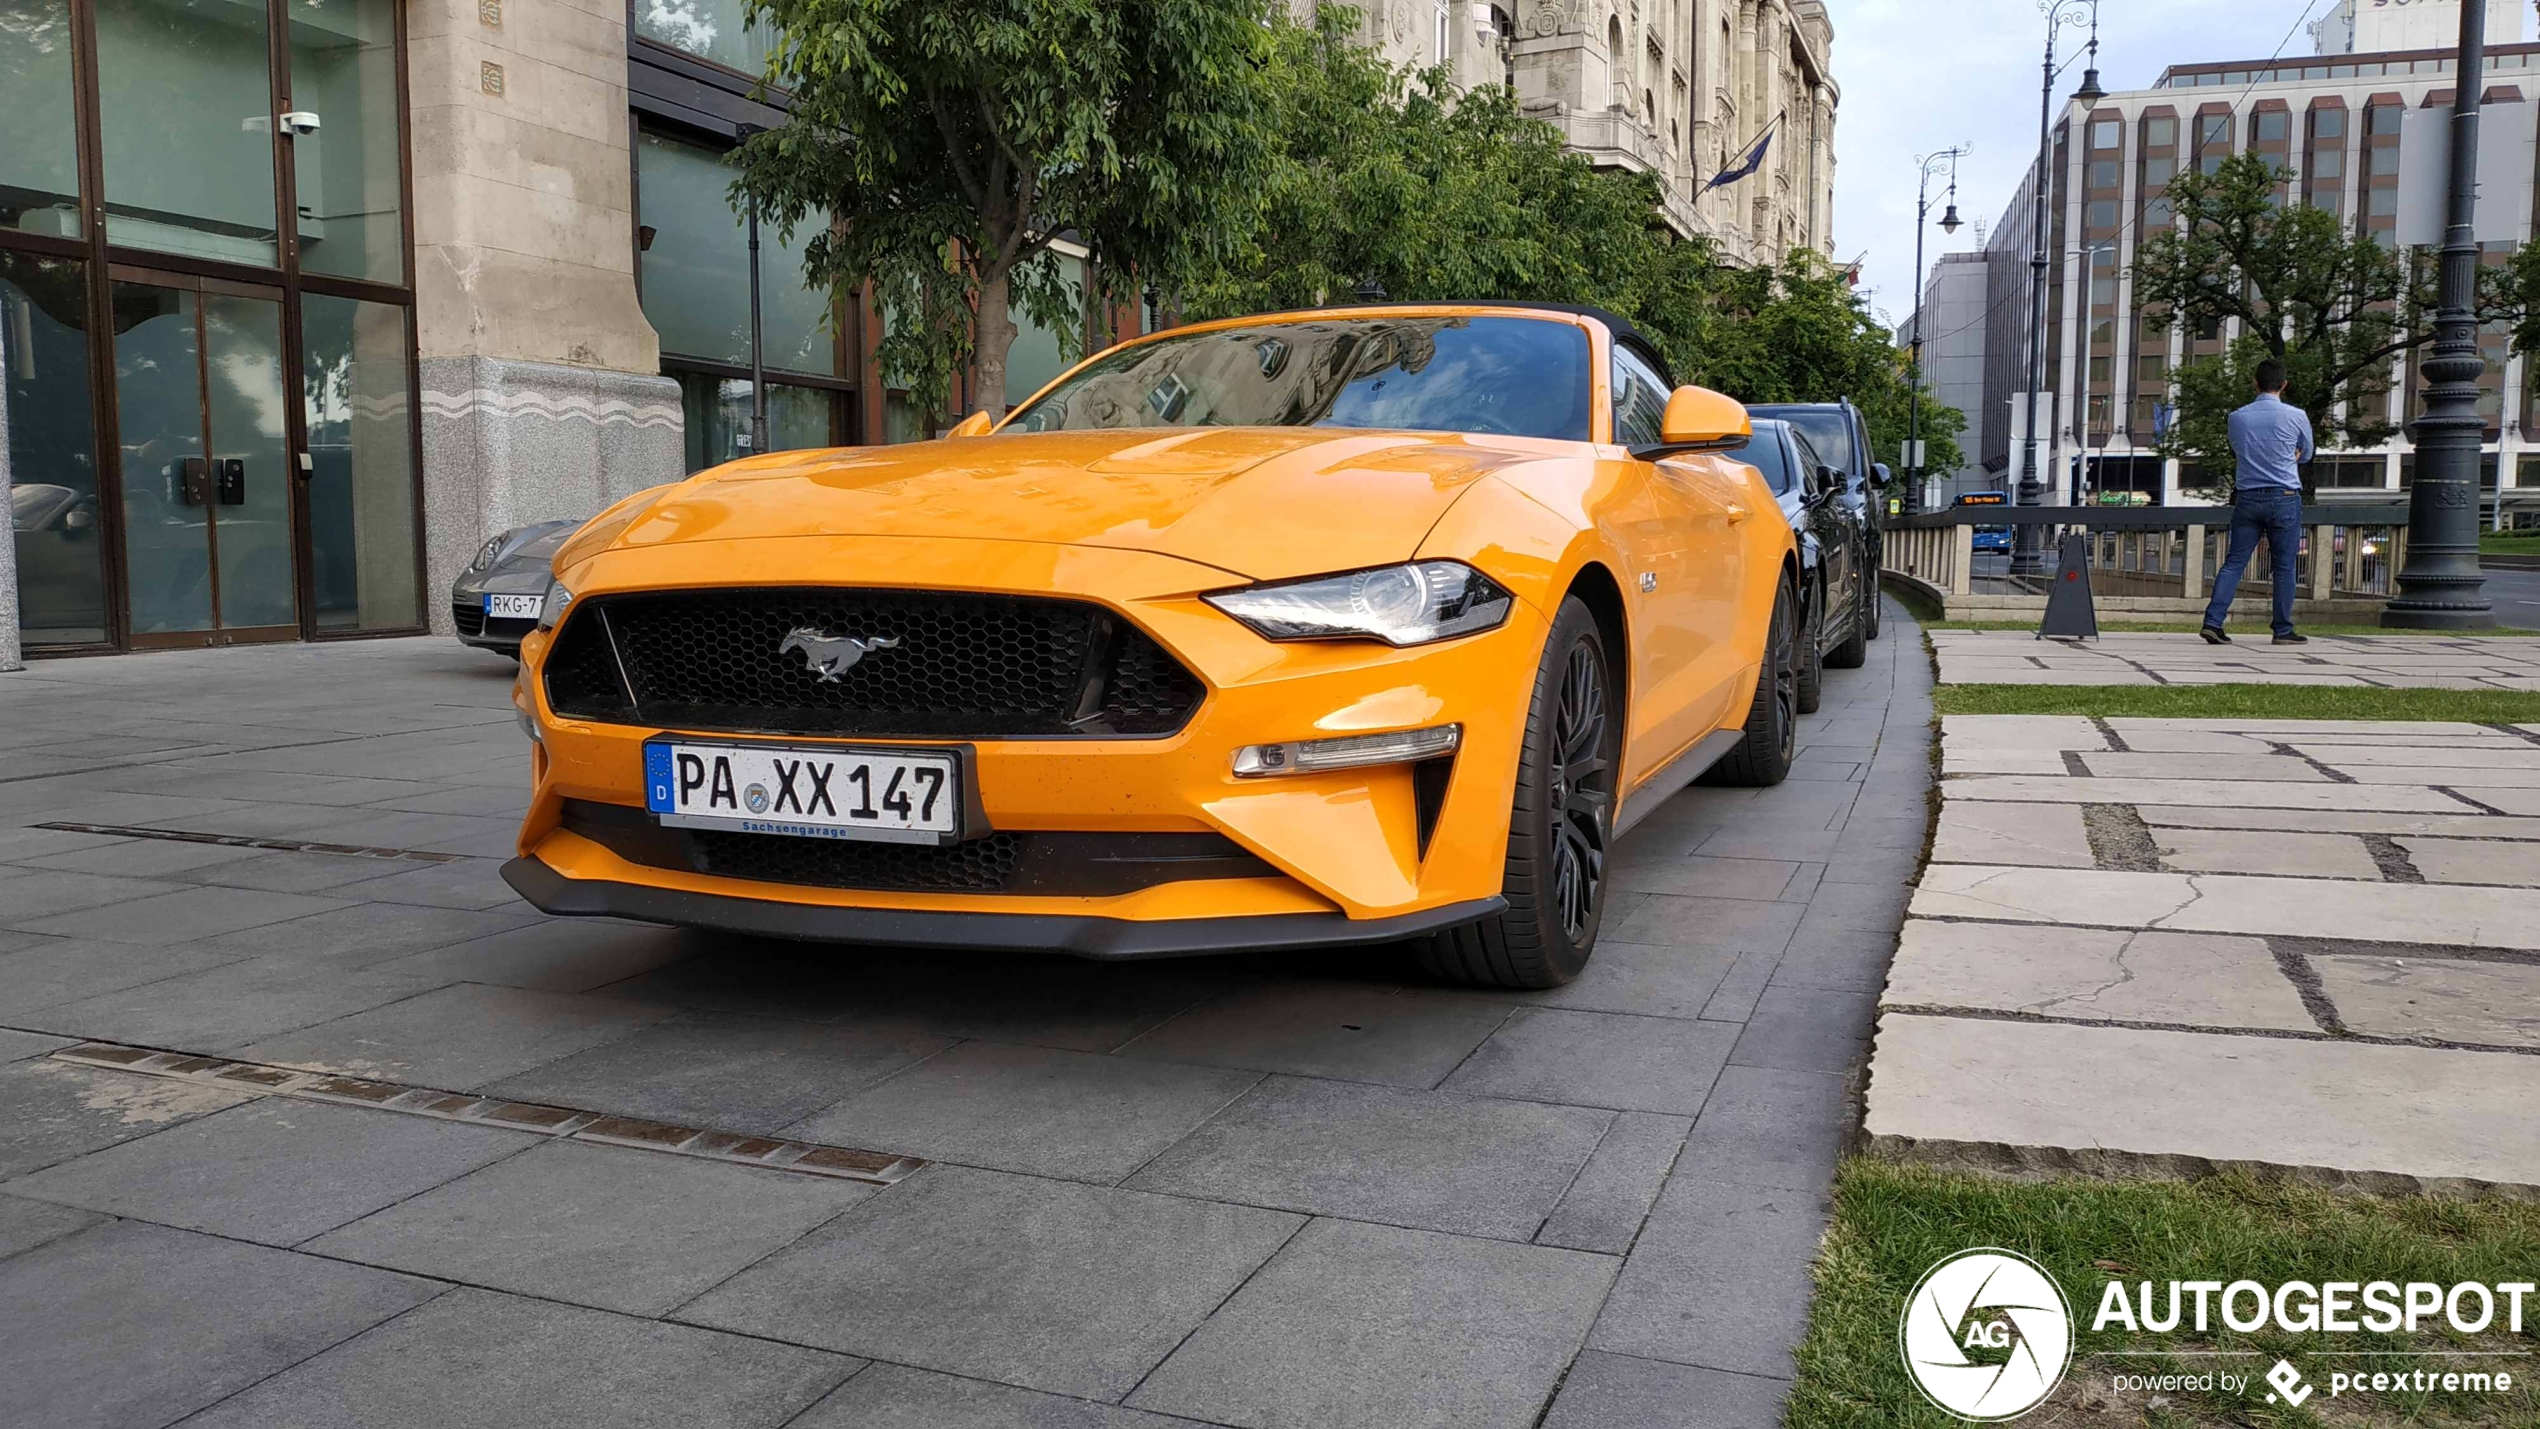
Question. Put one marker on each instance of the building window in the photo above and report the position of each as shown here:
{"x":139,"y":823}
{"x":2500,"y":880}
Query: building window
{"x":2104,"y":134}
{"x":2328,"y":123}
{"x":54,"y":505}
{"x":2103,"y":213}
{"x":2328,"y":163}
{"x":39,"y":166}
{"x":697,"y":271}
{"x":717,"y":30}
{"x":2160,"y":133}
{"x":2103,"y":173}
{"x":2274,"y":126}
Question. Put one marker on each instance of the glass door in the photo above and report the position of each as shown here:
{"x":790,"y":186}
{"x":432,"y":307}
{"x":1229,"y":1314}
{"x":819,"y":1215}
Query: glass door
{"x":201,"y":417}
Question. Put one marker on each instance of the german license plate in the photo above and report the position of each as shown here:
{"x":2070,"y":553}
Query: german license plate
{"x":818,"y":792}
{"x":513,"y":607}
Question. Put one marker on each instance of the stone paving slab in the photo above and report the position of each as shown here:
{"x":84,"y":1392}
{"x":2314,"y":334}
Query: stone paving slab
{"x":2091,"y":974}
{"x":1756,"y":927}
{"x":2050,"y":1096}
{"x":2329,"y":972}
{"x":2130,"y":658}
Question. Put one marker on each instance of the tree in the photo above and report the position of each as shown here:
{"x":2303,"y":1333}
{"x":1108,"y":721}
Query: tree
{"x":1796,"y":332}
{"x":1387,"y":175}
{"x":943,"y":144}
{"x":2337,"y":308}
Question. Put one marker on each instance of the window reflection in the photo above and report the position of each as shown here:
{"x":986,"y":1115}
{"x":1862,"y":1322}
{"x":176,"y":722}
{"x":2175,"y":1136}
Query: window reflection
{"x":53,"y":510}
{"x":183,"y":101}
{"x":39,"y":162}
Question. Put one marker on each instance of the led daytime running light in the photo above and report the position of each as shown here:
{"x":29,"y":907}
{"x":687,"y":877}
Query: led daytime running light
{"x":1357,"y":751}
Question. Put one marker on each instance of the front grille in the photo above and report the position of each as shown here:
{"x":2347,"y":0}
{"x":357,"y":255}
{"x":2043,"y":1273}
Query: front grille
{"x":1049,"y":864}
{"x":964,"y":666}
{"x":471,"y":621}
{"x":468,"y":616}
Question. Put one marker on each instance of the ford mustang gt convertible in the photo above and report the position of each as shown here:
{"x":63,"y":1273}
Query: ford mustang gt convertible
{"x":1353,"y":626}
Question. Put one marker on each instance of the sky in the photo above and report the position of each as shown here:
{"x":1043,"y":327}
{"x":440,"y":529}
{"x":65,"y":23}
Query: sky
{"x":1919,"y":76}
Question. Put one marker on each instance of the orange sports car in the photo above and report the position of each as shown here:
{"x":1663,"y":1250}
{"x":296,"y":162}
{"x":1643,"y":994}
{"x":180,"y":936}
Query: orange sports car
{"x":1337,"y":627}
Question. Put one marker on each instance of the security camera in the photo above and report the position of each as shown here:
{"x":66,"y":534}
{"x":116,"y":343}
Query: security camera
{"x":299,"y":121}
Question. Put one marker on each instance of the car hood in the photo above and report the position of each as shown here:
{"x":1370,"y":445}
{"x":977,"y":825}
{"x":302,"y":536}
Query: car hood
{"x":1261,"y":503}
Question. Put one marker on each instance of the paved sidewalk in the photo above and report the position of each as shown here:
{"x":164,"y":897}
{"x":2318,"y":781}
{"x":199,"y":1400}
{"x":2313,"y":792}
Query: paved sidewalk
{"x":2011,"y":657}
{"x":2174,"y":944}
{"x":1310,"y":1191}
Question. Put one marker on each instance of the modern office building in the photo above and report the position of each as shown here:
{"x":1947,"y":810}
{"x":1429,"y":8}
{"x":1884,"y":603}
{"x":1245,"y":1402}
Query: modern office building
{"x":2362,"y":128}
{"x":1679,"y":88}
{"x":1952,"y":325}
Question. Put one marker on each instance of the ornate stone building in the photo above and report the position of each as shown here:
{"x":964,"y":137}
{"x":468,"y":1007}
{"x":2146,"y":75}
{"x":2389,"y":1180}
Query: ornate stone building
{"x":1679,"y":88}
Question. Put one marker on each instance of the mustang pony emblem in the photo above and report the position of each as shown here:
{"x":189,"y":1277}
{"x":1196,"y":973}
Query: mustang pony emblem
{"x":830,"y":656}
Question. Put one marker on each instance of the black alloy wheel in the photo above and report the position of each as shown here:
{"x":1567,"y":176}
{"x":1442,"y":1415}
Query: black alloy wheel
{"x":1560,"y":824}
{"x":1763,"y":758}
{"x":1812,"y":654}
{"x":1582,"y":790}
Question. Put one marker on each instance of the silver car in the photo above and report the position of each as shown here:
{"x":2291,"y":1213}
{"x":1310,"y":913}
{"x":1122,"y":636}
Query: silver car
{"x":495,"y":600}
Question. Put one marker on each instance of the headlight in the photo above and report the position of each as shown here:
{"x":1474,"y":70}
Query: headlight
{"x":551,"y":610}
{"x":1400,"y":605}
{"x":485,"y":557}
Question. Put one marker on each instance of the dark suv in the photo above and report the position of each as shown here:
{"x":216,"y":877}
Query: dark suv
{"x":1842,"y":440}
{"x":1838,"y":583}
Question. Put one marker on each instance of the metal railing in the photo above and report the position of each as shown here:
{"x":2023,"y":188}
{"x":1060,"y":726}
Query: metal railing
{"x":2349,"y":549}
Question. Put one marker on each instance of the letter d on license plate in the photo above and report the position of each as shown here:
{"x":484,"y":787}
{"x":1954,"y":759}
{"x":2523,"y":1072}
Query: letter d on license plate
{"x":806,"y":791}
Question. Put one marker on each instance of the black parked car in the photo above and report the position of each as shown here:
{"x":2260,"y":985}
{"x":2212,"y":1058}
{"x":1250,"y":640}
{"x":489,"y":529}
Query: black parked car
{"x":1842,"y":440}
{"x":1839,"y":581}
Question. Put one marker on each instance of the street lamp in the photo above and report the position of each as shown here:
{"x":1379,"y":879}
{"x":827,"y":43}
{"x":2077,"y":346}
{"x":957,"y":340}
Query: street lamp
{"x":2440,"y":586}
{"x":1916,"y":466}
{"x":2032,"y":488}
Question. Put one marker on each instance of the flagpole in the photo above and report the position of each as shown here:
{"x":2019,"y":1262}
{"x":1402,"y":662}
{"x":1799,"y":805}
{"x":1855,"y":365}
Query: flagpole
{"x":1748,"y":160}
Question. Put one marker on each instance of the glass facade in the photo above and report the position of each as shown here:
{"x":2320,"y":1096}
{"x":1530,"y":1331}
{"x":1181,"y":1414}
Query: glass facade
{"x":56,"y":516}
{"x":697,"y":268}
{"x":220,"y":444}
{"x":716,"y":30}
{"x":361,"y":464}
{"x":39,"y":163}
{"x":185,"y":99}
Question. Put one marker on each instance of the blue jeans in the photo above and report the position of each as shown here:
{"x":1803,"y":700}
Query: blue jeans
{"x":2274,"y":512}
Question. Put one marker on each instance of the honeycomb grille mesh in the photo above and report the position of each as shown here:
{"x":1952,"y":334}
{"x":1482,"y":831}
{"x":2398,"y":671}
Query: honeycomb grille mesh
{"x":979,"y":866}
{"x":963,"y":666}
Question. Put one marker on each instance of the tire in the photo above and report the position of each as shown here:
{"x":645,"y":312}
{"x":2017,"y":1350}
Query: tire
{"x":1854,"y":652}
{"x":1560,"y":825}
{"x":1870,"y":593}
{"x":1812,"y":661}
{"x":1762,"y":759}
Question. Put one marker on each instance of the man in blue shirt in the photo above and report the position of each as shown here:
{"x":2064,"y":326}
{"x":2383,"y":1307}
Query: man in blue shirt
{"x":2270,"y":439}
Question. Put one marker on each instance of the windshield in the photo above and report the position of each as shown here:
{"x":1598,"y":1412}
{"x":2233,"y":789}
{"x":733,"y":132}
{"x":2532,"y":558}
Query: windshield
{"x":1828,"y":429}
{"x":1525,"y":377}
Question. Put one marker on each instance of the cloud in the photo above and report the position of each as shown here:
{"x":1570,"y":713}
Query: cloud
{"x":1921,"y":75}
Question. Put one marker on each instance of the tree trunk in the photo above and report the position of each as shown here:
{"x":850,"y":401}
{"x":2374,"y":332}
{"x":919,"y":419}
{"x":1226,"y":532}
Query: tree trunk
{"x":1097,"y":335}
{"x":996,"y":339}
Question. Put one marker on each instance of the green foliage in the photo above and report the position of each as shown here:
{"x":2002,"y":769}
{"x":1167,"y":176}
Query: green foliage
{"x":940,"y":145}
{"x":2333,"y":305}
{"x":1383,"y":174}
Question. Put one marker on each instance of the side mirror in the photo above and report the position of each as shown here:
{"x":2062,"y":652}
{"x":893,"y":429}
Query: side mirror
{"x":1829,"y":479}
{"x":974,"y":425}
{"x":78,"y":518}
{"x":1880,"y":476}
{"x":1699,"y":419}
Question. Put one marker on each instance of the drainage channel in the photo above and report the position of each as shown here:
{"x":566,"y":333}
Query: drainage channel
{"x":125,"y":831}
{"x":258,"y":1078}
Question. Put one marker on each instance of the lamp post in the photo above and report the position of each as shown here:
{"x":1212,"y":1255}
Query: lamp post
{"x":758,"y":365}
{"x":2032,"y":488}
{"x":1916,"y":467}
{"x":2440,"y":586}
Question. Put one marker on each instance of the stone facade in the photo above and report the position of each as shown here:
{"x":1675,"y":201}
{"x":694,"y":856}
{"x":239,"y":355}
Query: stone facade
{"x":1678,"y":88}
{"x":541,"y":388}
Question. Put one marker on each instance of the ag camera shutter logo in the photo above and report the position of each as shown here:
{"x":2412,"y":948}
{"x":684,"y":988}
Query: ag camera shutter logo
{"x":1986,"y":1335}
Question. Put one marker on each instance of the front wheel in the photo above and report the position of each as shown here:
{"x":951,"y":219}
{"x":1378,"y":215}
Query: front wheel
{"x":1560,"y":825}
{"x":1763,"y":758}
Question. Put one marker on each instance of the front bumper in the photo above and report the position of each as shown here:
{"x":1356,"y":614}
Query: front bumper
{"x":467,"y":607}
{"x":1077,"y":935}
{"x":1357,"y":856}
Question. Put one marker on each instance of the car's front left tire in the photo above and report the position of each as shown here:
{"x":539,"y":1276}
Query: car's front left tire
{"x":1561,"y":823}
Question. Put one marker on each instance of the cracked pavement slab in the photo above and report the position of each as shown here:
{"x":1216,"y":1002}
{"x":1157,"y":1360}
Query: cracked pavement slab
{"x":2468,"y":916}
{"x":2093,"y":974}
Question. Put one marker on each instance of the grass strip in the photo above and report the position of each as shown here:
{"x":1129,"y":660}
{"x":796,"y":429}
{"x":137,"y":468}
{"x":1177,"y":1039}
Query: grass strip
{"x":1893,"y":1222}
{"x":2240,"y":702}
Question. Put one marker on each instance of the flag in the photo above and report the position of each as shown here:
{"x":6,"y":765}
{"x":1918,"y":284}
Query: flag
{"x":1748,"y":162}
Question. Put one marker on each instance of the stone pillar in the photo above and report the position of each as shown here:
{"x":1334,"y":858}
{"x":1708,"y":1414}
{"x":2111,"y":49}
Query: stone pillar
{"x":542,"y":394}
